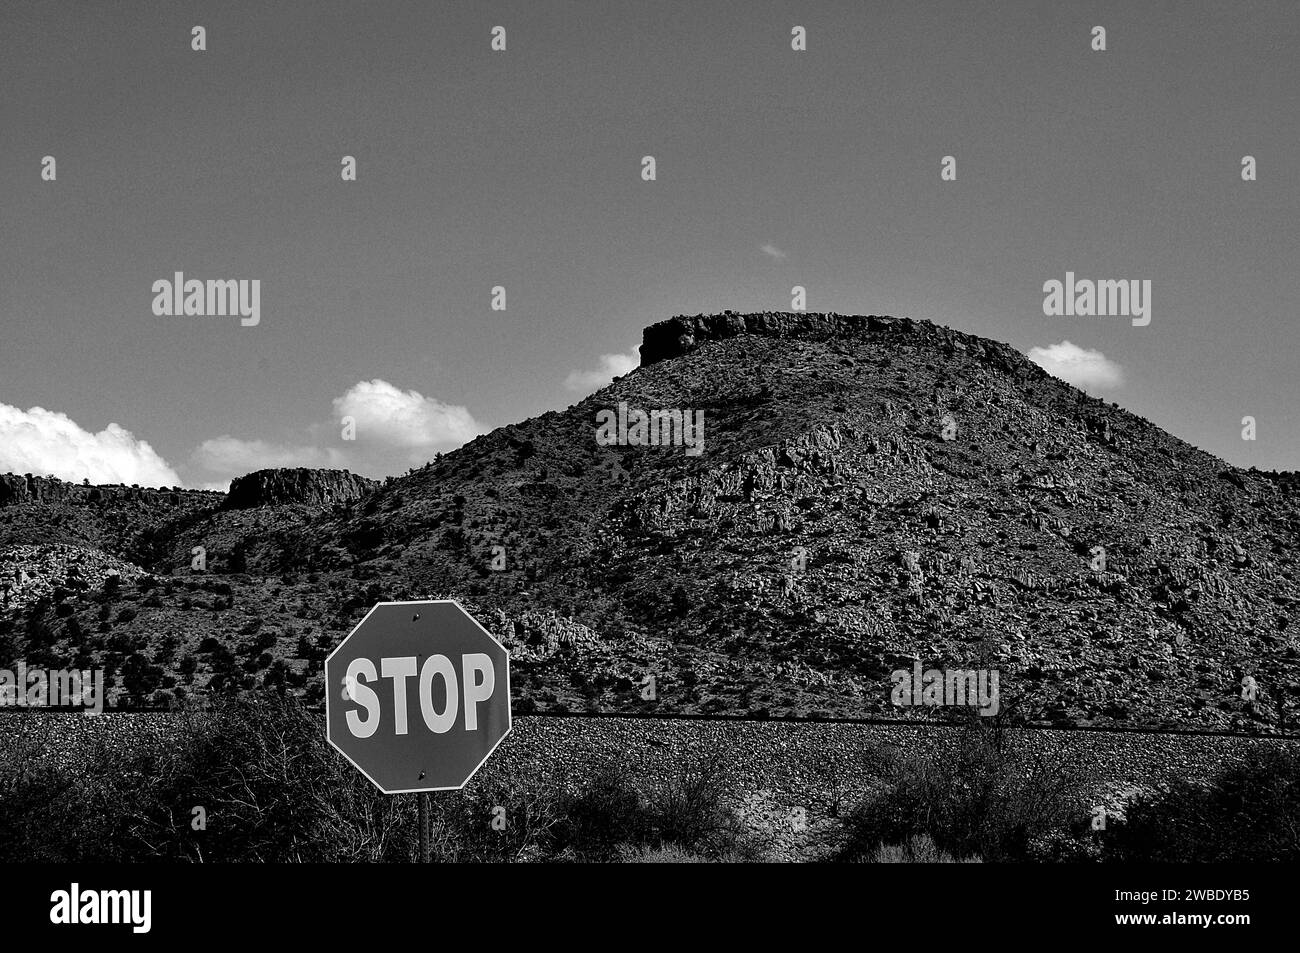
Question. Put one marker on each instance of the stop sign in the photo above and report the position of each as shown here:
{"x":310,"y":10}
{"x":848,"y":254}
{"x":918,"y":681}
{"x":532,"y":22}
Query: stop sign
{"x":417,"y":696}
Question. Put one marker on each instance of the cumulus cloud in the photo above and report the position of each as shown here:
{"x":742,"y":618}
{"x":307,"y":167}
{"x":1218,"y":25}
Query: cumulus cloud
{"x":611,"y":366}
{"x":234,"y":456}
{"x":772,"y":251}
{"x":47,"y":443}
{"x":408,"y":420}
{"x":389,"y":429}
{"x":1084,"y":368}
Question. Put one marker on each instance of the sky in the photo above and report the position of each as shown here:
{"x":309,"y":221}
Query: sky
{"x":522,"y":168}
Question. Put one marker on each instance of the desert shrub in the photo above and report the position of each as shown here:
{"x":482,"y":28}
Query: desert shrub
{"x":462,"y":827}
{"x":605,"y":813}
{"x":271,"y":788}
{"x":690,"y":809}
{"x":988,"y":799}
{"x":139,"y":677}
{"x":664,"y":854}
{"x":1246,"y":813}
{"x":120,"y":643}
{"x":276,"y":676}
{"x":165,"y":652}
{"x":920,"y":849}
{"x":40,"y":634}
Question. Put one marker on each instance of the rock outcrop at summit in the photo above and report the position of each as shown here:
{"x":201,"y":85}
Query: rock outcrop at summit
{"x":682,"y":334}
{"x":298,"y":485}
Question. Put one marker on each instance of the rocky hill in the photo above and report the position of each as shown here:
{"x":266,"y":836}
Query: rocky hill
{"x":872,"y":492}
{"x":36,"y":510}
{"x":300,"y":485}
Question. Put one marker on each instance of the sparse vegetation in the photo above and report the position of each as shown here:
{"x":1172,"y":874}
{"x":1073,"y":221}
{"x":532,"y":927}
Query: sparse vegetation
{"x":272,"y":789}
{"x":988,"y":800}
{"x":1247,"y":813}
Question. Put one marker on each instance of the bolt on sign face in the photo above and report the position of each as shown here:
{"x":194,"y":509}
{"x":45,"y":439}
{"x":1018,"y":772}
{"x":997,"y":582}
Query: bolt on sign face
{"x":417,"y":696}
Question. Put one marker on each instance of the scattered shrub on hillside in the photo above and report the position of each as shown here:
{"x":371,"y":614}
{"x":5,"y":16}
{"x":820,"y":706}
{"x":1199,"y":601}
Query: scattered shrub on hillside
{"x":139,"y":678}
{"x":276,"y":676}
{"x":165,"y":652}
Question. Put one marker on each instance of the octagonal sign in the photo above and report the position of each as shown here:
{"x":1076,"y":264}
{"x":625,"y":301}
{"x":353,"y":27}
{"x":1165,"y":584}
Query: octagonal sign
{"x":417,"y":696}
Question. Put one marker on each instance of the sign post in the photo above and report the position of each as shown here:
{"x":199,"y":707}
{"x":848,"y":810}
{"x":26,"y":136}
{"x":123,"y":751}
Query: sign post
{"x":424,"y":826}
{"x":417,"y":698}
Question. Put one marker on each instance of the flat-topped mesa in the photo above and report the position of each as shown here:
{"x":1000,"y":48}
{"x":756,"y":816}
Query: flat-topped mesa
{"x":19,"y":489}
{"x":298,"y":485}
{"x":685,"y":333}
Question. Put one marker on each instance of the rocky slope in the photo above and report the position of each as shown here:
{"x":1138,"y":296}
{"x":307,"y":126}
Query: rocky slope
{"x":873,"y":492}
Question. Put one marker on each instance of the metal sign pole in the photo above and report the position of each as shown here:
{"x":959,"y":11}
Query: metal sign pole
{"x":424,"y":826}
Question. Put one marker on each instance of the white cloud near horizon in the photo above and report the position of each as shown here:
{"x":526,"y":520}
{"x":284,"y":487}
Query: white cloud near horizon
{"x":405,"y":419}
{"x":772,"y":251}
{"x":611,"y":366}
{"x":47,"y":443}
{"x":1084,"y":368}
{"x":392,"y":429}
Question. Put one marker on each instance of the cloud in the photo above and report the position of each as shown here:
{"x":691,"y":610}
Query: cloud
{"x":611,"y":366}
{"x":47,"y":443}
{"x":404,"y":419}
{"x":1079,"y":366}
{"x":231,"y":455}
{"x":773,"y":252}
{"x":390,"y":429}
